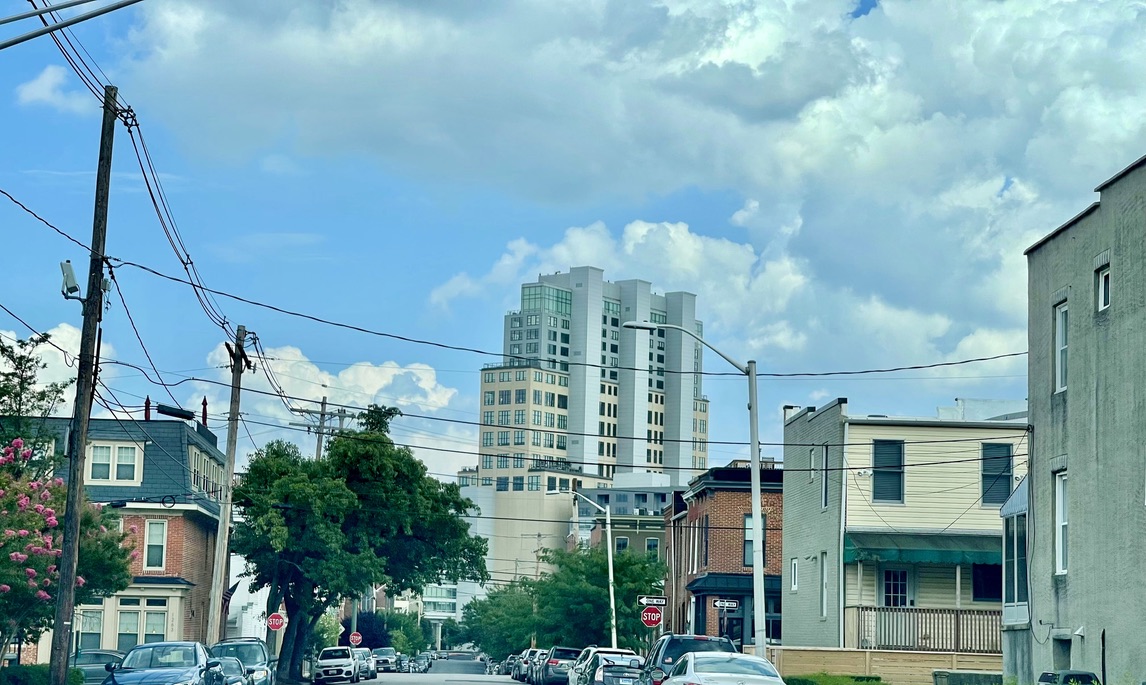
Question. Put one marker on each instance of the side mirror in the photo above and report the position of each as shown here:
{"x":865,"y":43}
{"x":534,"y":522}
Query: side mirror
{"x":634,"y":663}
{"x":658,"y":675}
{"x":213,"y":663}
{"x":109,"y":666}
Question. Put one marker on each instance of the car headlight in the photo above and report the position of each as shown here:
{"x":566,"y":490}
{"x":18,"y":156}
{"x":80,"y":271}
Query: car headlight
{"x":259,"y":674}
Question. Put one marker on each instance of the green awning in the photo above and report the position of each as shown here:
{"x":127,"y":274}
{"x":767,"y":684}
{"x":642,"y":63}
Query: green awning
{"x":910,"y":548}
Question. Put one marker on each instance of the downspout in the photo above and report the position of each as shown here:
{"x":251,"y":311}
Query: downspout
{"x":843,"y":526}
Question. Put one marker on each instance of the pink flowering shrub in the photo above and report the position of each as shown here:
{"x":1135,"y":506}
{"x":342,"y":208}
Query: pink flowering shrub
{"x":31,"y":533}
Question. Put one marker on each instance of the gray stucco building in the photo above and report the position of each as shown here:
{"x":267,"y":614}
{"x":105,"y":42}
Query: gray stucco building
{"x":1080,"y":520}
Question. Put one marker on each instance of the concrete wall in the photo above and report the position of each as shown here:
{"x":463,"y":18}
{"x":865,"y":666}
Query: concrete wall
{"x":1094,"y":431}
{"x":809,"y":529}
{"x":896,"y":668}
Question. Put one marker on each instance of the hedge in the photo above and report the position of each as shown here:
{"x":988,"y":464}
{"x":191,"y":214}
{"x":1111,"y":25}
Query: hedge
{"x":825,"y":679}
{"x":35,"y":675}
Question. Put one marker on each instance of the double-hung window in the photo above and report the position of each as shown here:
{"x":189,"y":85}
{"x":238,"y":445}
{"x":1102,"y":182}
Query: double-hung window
{"x":155,"y":555}
{"x":887,"y":472}
{"x":1061,"y":330}
{"x":996,"y":473}
{"x":1061,"y":512}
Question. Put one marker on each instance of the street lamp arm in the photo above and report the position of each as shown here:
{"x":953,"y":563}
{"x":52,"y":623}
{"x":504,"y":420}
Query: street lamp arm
{"x":647,"y":326}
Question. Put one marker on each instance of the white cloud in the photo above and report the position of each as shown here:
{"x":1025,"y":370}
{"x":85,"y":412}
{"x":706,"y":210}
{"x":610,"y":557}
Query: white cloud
{"x":48,"y":89}
{"x":745,"y":214}
{"x":59,"y":356}
{"x":413,"y":388}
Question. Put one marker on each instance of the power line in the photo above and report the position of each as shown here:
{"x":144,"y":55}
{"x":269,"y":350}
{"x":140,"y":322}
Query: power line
{"x":131,"y":320}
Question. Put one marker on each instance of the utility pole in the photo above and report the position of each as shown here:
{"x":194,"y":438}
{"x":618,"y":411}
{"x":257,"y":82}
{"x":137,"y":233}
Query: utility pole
{"x":239,"y":363}
{"x":85,"y":389}
{"x":322,"y":414}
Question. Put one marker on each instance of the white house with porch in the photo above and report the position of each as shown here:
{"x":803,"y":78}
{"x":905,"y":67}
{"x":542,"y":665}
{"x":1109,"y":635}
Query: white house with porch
{"x":892,"y":530}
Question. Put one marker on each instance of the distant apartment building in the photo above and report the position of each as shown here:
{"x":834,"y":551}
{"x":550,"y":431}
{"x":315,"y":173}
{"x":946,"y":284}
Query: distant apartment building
{"x":892,"y":536}
{"x":634,"y":509}
{"x":580,"y":402}
{"x":708,"y":549}
{"x":1074,"y":549}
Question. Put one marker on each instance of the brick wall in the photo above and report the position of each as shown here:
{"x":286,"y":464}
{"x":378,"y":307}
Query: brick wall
{"x":190,"y":555}
{"x":726,"y":511}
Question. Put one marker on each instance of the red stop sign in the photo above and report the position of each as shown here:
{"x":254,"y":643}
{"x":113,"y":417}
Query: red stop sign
{"x":276,"y":621}
{"x":651,"y":616}
{"x":356,"y":638}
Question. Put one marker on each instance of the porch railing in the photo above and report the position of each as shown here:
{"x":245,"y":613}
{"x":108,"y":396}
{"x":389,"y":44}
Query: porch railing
{"x":929,"y":630}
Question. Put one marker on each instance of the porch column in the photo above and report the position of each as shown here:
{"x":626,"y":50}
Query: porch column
{"x":958,"y":606}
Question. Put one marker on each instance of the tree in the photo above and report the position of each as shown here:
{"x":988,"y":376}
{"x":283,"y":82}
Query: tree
{"x":25,"y":403}
{"x":319,"y":531}
{"x":406,"y":634}
{"x":575,"y":595}
{"x":30,"y":537}
{"x":373,"y":628}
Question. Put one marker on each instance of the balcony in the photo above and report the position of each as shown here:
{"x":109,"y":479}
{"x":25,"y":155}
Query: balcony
{"x":973,"y":631}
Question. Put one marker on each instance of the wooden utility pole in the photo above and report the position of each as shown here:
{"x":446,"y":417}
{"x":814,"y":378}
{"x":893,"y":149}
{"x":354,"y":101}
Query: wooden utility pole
{"x":321,"y":430}
{"x":239,"y":363}
{"x":85,"y":389}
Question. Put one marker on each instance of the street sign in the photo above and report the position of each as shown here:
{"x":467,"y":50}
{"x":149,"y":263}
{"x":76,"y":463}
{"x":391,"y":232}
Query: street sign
{"x":651,"y":616}
{"x":652,"y":601}
{"x":356,"y":638}
{"x":276,"y":621}
{"x":729,"y":604}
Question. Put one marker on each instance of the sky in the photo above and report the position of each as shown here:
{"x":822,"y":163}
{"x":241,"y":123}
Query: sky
{"x":844,"y":185}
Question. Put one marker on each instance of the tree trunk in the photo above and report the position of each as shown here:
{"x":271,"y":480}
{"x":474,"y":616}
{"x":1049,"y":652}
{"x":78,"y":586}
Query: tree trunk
{"x":274,"y":599}
{"x":290,"y":635}
{"x":300,"y":644}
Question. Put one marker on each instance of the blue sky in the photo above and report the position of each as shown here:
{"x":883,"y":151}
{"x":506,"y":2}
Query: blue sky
{"x":844,"y":186}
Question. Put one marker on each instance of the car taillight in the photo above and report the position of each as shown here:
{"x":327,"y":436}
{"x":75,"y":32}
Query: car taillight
{"x":599,"y":676}
{"x":552,"y":662}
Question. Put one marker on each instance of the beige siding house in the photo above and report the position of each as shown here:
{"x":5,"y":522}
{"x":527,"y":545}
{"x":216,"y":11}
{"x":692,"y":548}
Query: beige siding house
{"x":903,"y":514}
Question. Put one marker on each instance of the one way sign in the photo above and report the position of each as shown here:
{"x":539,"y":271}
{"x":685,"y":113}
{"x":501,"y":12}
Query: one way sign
{"x":652,"y":601}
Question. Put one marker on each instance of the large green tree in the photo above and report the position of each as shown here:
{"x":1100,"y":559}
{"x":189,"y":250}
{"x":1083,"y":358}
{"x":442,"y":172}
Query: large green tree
{"x":319,"y":531}
{"x":25,"y":404}
{"x":503,"y":622}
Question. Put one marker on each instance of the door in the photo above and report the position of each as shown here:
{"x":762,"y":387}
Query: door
{"x":897,"y":628}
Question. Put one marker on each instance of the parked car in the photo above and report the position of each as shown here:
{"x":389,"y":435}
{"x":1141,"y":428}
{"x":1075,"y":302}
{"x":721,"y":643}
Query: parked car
{"x":403,"y":664}
{"x":723,"y":668}
{"x":336,"y":664}
{"x":366,"y":667}
{"x":668,"y":649}
{"x":386,"y":658}
{"x":508,"y":664}
{"x":423,"y":662}
{"x":255,"y":655}
{"x":1068,"y":677}
{"x":524,"y":661}
{"x":582,"y":661}
{"x":605,"y":668}
{"x":552,"y":667}
{"x":92,"y":663}
{"x":234,"y":672}
{"x":166,"y":663}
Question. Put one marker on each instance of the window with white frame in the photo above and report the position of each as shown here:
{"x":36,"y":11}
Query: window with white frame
{"x":1061,"y":517}
{"x":90,"y":631}
{"x":794,"y":572}
{"x":1015,"y":590}
{"x":823,"y":477}
{"x":1061,"y":330}
{"x":140,"y":621}
{"x":155,"y":553}
{"x":1102,"y":287}
{"x":117,"y":463}
{"x":823,"y":584}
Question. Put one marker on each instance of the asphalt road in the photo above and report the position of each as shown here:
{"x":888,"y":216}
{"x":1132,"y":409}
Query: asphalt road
{"x":443,"y":671}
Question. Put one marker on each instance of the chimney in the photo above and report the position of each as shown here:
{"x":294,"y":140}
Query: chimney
{"x":147,"y":408}
{"x":204,"y":411}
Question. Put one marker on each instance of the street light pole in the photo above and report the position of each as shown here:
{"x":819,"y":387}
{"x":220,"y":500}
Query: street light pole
{"x":607,"y":509}
{"x":759,"y":610}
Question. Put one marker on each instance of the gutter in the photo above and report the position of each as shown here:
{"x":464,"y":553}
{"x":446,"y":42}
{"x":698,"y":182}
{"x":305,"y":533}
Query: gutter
{"x":843,"y":525}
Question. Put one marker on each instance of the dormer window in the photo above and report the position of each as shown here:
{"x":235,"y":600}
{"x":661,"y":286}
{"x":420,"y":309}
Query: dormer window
{"x":115,"y":463}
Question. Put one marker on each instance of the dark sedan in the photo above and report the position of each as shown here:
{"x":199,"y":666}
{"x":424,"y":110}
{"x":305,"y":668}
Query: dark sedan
{"x":166,"y":663}
{"x":92,"y":663}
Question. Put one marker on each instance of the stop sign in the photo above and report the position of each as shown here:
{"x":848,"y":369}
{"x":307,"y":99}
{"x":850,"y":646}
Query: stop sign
{"x":276,"y":621}
{"x":356,"y":638}
{"x":651,"y":616}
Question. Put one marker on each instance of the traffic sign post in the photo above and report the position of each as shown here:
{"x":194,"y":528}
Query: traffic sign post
{"x":652,"y":600}
{"x":276,"y":621}
{"x":356,"y":638}
{"x":651,"y":616}
{"x":727,"y":604}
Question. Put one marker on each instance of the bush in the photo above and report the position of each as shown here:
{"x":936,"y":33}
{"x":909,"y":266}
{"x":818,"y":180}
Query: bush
{"x":825,"y":679}
{"x":35,"y":675}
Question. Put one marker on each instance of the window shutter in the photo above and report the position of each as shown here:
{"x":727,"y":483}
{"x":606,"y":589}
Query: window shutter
{"x":996,"y":471}
{"x":887,"y":477}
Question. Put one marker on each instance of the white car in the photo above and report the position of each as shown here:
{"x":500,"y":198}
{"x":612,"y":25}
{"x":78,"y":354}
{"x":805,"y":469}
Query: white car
{"x":586,"y":656}
{"x":723,"y":668}
{"x":336,"y":664}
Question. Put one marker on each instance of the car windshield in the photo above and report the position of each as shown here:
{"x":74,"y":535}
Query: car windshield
{"x":231,"y":666}
{"x":247,"y":653}
{"x":737,"y":665}
{"x":677,"y":647}
{"x":334,"y":653}
{"x":161,"y":656}
{"x":362,"y":652}
{"x":385,"y":651}
{"x":560,"y":653}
